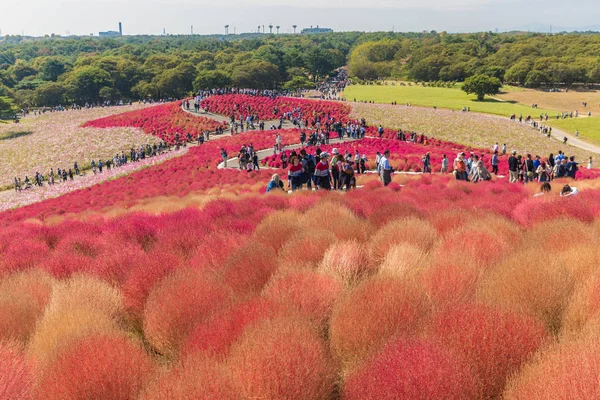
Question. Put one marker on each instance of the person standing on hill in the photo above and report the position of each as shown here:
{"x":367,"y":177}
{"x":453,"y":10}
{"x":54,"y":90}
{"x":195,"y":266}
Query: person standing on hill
{"x":385,"y":168}
{"x":572,"y":167}
{"x":444,"y":164}
{"x":513,"y":168}
{"x":426,"y":163}
{"x":495,"y":162}
{"x":322,"y":175}
{"x":295,"y":174}
{"x":224,"y":157}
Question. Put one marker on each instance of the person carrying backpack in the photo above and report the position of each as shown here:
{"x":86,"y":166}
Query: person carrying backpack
{"x":309,"y":165}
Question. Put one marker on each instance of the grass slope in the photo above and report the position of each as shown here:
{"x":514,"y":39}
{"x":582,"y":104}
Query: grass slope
{"x":588,"y":127}
{"x":454,"y":99}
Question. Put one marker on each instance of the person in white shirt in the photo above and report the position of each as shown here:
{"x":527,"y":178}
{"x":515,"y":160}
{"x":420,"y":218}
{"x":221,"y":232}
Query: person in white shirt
{"x":385,"y":168}
{"x":568,"y":191}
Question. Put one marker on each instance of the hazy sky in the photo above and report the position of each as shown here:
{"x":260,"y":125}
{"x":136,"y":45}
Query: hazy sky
{"x":39,"y":17}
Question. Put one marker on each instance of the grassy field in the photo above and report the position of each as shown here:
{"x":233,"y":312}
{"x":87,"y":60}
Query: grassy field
{"x":473,"y":129}
{"x":559,"y":101}
{"x":454,"y":99}
{"x":588,"y":127}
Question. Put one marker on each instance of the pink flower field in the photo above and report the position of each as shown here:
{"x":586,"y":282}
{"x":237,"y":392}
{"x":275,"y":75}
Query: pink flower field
{"x":181,"y":280}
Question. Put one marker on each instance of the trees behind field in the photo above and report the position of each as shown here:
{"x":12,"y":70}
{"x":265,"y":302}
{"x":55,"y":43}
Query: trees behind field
{"x":55,"y":70}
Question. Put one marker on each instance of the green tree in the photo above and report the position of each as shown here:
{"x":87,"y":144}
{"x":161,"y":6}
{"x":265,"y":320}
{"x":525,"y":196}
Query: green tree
{"x":87,"y":81}
{"x":52,"y":68}
{"x":481,"y":85}
{"x":318,"y":61}
{"x":298,"y":83}
{"x":49,"y":94}
{"x":212,"y":80}
{"x":8,"y":109}
{"x":256,"y":75}
{"x":535,"y":79}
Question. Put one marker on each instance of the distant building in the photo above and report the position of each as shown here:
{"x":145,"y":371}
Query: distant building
{"x":109,"y":34}
{"x":311,"y":30}
{"x":112,"y":33}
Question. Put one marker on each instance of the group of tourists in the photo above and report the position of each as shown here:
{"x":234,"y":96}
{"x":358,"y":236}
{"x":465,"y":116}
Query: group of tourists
{"x":322,"y":170}
{"x":248,"y":158}
{"x":524,"y":169}
{"x":97,"y":167}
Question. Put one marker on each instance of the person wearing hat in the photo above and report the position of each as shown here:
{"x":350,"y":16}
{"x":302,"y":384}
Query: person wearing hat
{"x":322,"y":175}
{"x":385,"y":168}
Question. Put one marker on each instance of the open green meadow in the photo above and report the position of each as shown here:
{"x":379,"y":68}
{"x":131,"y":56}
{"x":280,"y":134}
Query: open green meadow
{"x":588,"y":128}
{"x":449,"y":98}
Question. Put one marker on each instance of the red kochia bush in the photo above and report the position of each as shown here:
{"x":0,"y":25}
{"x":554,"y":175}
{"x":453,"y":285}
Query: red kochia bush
{"x":366,"y":318}
{"x":141,"y":279}
{"x":197,"y":378}
{"x":16,"y":378}
{"x":179,"y":302}
{"x":411,"y":370}
{"x":215,"y":336}
{"x":249,"y":267}
{"x":493,"y":343}
{"x":101,"y":367}
{"x":282,"y":359}
{"x":309,"y":293}
{"x":563,"y":371}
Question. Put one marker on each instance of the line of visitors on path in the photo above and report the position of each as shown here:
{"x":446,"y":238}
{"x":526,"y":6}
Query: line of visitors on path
{"x":97,"y":167}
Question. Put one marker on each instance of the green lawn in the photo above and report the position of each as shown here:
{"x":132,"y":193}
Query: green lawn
{"x":587,"y":127}
{"x":454,"y":99}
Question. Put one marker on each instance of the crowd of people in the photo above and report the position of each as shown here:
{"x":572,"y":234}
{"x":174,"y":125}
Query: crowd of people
{"x":97,"y":166}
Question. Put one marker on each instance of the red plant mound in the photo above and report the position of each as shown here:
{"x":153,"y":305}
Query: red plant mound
{"x":179,"y":302}
{"x":282,"y":359}
{"x":493,"y":343}
{"x":411,"y":370}
{"x":101,"y":367}
{"x":309,"y":293}
{"x":367,"y":317}
{"x":195,"y":378}
{"x":215,"y":336}
{"x":562,"y":371}
{"x":16,"y":377}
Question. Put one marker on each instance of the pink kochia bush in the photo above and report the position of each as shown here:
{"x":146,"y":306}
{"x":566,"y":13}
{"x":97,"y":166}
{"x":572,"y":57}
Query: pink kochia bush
{"x":492,"y":342}
{"x":16,"y":374}
{"x":102,"y":367}
{"x":282,"y":359}
{"x":411,"y":369}
{"x":240,"y":105}
{"x":163,"y":121}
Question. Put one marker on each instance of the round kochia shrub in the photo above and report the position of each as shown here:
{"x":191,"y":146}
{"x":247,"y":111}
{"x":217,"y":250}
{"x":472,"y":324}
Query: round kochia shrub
{"x":563,"y":371}
{"x":214,"y":337}
{"x":98,"y":367}
{"x":282,"y":359}
{"x":23,"y":297}
{"x":407,"y":369}
{"x":277,"y":227}
{"x":249,"y":267}
{"x":308,"y":293}
{"x":16,"y":376}
{"x":347,"y":261}
{"x":179,"y":302}
{"x":367,"y":317}
{"x":305,"y":248}
{"x":414,"y":231}
{"x":197,"y":378}
{"x":493,"y":343}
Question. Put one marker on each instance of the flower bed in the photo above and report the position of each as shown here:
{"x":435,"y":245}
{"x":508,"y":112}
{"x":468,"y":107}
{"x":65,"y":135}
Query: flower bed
{"x":163,"y":121}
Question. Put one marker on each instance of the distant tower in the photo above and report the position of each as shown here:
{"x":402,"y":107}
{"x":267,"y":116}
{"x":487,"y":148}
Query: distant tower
{"x":226,"y":29}
{"x":258,"y":29}
{"x":278,"y":29}
{"x":192,"y":30}
{"x":270,"y":28}
{"x":294,"y":26}
{"x":120,"y":29}
{"x":164,"y":31}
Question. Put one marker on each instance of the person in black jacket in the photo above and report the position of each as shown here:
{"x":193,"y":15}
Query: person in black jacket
{"x":513,"y":167}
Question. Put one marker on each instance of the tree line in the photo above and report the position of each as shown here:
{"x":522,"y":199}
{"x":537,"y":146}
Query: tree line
{"x":54,"y":71}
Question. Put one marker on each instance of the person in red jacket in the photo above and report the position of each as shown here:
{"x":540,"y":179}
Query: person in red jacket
{"x":322,"y":174}
{"x":295,"y":174}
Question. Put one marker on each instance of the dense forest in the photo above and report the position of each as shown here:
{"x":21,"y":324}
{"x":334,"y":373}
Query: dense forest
{"x":54,"y":70}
